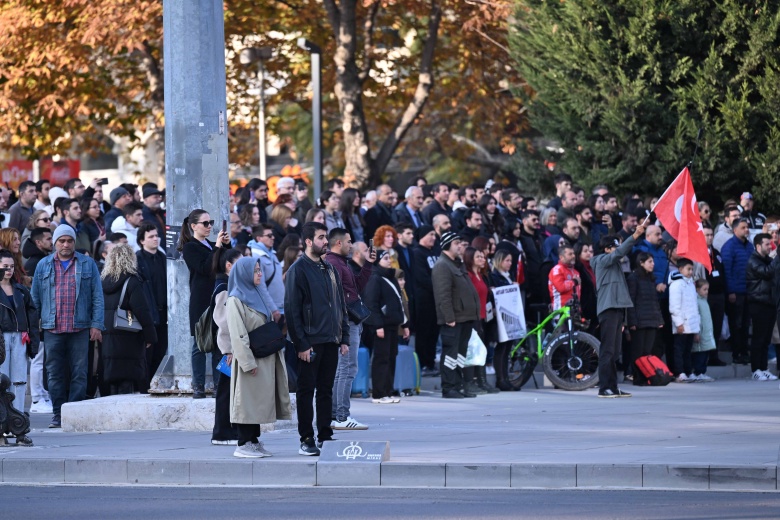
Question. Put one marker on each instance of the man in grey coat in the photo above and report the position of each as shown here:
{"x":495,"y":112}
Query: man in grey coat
{"x":612,"y":301}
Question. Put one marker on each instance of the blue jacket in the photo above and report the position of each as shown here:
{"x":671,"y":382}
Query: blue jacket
{"x":89,"y":293}
{"x":661,"y":261}
{"x":735,"y":255}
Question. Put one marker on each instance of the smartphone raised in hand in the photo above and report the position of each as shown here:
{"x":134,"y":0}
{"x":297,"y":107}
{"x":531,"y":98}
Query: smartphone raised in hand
{"x":224,"y":226}
{"x":371,"y":247}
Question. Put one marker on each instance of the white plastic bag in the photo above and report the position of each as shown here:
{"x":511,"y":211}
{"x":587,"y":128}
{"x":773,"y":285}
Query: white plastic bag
{"x":477,"y":353}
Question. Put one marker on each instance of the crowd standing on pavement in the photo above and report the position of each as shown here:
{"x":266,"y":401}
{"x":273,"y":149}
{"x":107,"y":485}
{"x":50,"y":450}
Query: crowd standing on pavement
{"x":374,"y":269}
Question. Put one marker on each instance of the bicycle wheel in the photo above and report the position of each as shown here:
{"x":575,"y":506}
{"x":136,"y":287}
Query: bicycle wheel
{"x":523,"y":363}
{"x":572,"y":366}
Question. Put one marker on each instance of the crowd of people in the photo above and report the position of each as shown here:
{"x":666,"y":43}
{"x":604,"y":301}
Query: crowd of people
{"x":413,"y":269}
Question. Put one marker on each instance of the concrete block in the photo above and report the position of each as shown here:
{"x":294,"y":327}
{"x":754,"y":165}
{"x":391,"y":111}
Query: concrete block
{"x":544,"y":476}
{"x":158,"y":471}
{"x":743,"y":477}
{"x":284,"y":473}
{"x":38,"y":471}
{"x":355,"y":451}
{"x":609,"y":475}
{"x":96,"y":471}
{"x":221,"y":472}
{"x":478,"y":475}
{"x":348,"y":474}
{"x":414,"y":474}
{"x":675,"y":477}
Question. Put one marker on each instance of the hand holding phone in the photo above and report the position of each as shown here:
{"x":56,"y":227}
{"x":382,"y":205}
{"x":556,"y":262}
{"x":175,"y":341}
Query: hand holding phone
{"x":224,"y":226}
{"x":371,"y":247}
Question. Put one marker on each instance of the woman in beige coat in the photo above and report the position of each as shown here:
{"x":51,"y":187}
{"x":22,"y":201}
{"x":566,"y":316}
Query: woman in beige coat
{"x":258,"y":386}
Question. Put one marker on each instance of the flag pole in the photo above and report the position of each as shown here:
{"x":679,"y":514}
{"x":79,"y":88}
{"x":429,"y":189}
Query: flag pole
{"x":696,"y":149}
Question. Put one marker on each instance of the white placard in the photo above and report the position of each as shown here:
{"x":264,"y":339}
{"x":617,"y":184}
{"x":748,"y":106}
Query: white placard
{"x":510,"y":313}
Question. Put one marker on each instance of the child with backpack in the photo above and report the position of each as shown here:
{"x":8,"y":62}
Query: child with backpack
{"x":704,"y":341}
{"x":644,"y":318}
{"x":686,"y":322}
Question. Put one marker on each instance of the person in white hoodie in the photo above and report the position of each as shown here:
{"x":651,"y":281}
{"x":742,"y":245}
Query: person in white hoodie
{"x":686,"y":322}
{"x":128,"y":223}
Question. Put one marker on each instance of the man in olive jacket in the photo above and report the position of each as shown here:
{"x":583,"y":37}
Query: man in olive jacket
{"x":612,"y":301}
{"x":457,"y":310}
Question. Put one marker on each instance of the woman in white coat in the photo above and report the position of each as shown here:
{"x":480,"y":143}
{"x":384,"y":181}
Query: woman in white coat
{"x":258,"y":386}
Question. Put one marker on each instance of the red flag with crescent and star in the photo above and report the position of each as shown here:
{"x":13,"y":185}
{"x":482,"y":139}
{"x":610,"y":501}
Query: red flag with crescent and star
{"x":678,"y":212}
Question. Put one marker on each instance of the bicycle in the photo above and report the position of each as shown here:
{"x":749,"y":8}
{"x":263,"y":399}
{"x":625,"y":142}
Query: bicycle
{"x":570,"y":357}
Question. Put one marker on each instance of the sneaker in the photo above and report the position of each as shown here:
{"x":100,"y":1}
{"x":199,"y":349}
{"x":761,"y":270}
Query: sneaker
{"x":770,"y":376}
{"x":609,"y":394}
{"x":429,"y":372}
{"x":772,"y":361}
{"x":760,"y":375}
{"x":41,"y":406}
{"x":259,"y":448}
{"x":489,"y":370}
{"x":227,"y":442}
{"x":383,"y":400}
{"x":628,"y":378}
{"x":704,"y":378}
{"x":472,"y":388}
{"x":56,"y":422}
{"x":348,"y":424}
{"x":308,"y":448}
{"x":682,"y":378}
{"x":621,"y":393}
{"x":693,"y":378}
{"x":396,"y":399}
{"x":452,"y":394}
{"x":247,"y":451}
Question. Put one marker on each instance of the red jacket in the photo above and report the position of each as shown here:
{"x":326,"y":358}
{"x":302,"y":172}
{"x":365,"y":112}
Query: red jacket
{"x":561,"y":285}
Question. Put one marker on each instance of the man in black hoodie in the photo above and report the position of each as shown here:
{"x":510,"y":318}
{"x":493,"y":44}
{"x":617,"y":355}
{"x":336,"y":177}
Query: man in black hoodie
{"x":38,"y":246}
{"x":424,"y":307}
{"x":531,"y":240}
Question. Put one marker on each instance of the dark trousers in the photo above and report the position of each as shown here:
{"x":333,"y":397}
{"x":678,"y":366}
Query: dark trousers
{"x":717,"y":304}
{"x":501,"y":360}
{"x":156,"y":353}
{"x":199,"y":366}
{"x":383,"y":363}
{"x":642,"y":343}
{"x":317,"y":375}
{"x":664,"y":339}
{"x":426,"y":337}
{"x":454,"y":347}
{"x":763,"y":317}
{"x":223,"y":429}
{"x":739,"y":324}
{"x":699,"y":360}
{"x":67,"y":367}
{"x":611,"y":321}
{"x":683,"y":343}
{"x":248,"y":433}
{"x":95,"y":381}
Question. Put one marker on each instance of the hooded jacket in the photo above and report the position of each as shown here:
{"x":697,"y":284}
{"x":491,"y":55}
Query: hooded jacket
{"x":384,"y":302}
{"x":612,"y":291}
{"x":735,"y":256}
{"x":33,"y":254}
{"x":683,"y":305}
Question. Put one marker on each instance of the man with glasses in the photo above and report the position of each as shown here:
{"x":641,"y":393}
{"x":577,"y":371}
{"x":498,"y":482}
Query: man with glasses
{"x":74,"y":188}
{"x":736,"y":252}
{"x":262,"y":247}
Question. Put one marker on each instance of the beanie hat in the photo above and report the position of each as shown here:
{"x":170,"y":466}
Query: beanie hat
{"x":448,"y":238}
{"x":379,"y":254}
{"x":63,"y":230}
{"x":422,"y":231}
{"x":117,"y":193}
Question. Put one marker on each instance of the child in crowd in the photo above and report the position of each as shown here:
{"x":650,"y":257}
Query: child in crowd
{"x":686,"y":322}
{"x":704,"y":341}
{"x":644,"y":318}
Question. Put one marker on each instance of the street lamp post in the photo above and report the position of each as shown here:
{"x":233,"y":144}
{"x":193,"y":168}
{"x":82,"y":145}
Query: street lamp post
{"x":259,"y":55}
{"x":316,"y":108}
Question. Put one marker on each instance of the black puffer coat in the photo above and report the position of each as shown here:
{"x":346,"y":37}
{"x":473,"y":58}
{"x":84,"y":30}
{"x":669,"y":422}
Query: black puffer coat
{"x":759,"y":279}
{"x":646,"y":312}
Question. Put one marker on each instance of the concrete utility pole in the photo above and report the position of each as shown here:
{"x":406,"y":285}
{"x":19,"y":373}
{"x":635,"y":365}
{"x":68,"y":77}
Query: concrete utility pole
{"x":196,"y":157}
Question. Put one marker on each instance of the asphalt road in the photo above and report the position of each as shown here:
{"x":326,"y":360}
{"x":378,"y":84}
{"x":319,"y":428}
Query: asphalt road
{"x":78,"y":502}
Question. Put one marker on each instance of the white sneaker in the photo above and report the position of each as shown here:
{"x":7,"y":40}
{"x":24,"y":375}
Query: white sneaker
{"x":704,"y":378}
{"x":383,"y":400}
{"x":693,"y":378}
{"x":489,"y":370}
{"x":247,"y":451}
{"x":760,"y":375}
{"x":770,"y":376}
{"x":259,"y":448}
{"x":42,"y":406}
{"x":682,"y":378}
{"x":396,"y":398}
{"x":348,"y":424}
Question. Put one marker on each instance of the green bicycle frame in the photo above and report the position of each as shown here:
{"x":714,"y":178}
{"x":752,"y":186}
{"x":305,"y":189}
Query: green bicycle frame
{"x":564,"y":315}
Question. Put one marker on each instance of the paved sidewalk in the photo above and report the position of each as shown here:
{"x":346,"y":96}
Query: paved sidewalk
{"x":722,"y":435}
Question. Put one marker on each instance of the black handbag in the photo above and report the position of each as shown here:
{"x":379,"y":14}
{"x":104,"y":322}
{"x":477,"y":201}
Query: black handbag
{"x":123,"y":320}
{"x":358,"y":312}
{"x":266,"y":340}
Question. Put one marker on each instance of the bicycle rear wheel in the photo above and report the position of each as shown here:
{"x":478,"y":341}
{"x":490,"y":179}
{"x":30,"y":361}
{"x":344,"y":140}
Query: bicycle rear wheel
{"x":572,"y":365}
{"x":523,"y":363}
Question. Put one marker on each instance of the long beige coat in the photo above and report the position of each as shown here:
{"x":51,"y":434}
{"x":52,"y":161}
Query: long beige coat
{"x":261,"y":398}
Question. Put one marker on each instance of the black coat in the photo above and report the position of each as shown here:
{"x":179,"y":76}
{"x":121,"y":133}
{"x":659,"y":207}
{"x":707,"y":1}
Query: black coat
{"x":423,"y":260}
{"x":33,"y":255}
{"x":385,"y":305}
{"x":23,"y":317}
{"x":407,"y":268}
{"x":198,"y":258}
{"x":536,"y":284}
{"x":124,"y":353}
{"x":646,"y":312}
{"x":759,"y":279}
{"x":588,"y":302}
{"x":153,"y":271}
{"x":379,"y":215}
{"x":402,"y":216}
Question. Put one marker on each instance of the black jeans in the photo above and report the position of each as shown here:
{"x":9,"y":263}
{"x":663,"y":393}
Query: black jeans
{"x":317,"y":375}
{"x":683,"y":343}
{"x":223,"y":429}
{"x":199,"y":366}
{"x":611,"y":321}
{"x":739,"y":324}
{"x":501,"y":360}
{"x":642,"y":341}
{"x":156,"y":353}
{"x":248,"y":433}
{"x":763,"y":317}
{"x":454,"y":347}
{"x":383,"y":364}
{"x":426,"y":336}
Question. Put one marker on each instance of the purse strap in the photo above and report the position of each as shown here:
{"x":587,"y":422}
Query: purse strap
{"x":122,"y":296}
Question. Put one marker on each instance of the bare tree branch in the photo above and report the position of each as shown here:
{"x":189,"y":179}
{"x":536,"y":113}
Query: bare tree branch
{"x":153,"y":72}
{"x":334,"y":16}
{"x":368,"y":40}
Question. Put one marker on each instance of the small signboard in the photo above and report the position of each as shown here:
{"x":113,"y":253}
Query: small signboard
{"x":355,"y":451}
{"x":171,"y":240}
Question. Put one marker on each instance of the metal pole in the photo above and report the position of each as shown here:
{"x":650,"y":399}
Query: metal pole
{"x":261,"y":122}
{"x":196,"y":158}
{"x":316,"y":85}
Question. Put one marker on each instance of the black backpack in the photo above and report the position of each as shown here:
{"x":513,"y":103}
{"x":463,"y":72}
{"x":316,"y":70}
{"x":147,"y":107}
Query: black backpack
{"x":205,"y":333}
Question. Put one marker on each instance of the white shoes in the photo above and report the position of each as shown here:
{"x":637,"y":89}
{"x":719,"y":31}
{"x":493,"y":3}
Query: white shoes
{"x":760,"y":375}
{"x":489,"y":370}
{"x":384,"y":400}
{"x":682,"y":378}
{"x":704,"y":378}
{"x":348,"y":424}
{"x":42,"y":406}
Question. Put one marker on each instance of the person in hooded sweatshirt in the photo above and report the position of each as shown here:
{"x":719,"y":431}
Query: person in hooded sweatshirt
{"x":36,"y":248}
{"x":124,"y":352}
{"x":686,"y":322}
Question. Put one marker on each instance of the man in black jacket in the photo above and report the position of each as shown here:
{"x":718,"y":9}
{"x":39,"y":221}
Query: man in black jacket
{"x":760,"y":281}
{"x":424,"y":308}
{"x":382,"y":212}
{"x":152,"y":268}
{"x":531,"y":240}
{"x":319,"y":332}
{"x":38,"y":246}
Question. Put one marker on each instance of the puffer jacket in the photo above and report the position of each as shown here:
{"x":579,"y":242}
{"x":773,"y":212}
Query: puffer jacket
{"x":735,"y":255}
{"x":456,"y":298}
{"x":759,"y":279}
{"x":646,"y":312}
{"x":683,"y":305}
{"x":706,"y":334}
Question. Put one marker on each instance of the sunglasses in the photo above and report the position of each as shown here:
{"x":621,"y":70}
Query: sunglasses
{"x":207,"y":223}
{"x":43,"y":220}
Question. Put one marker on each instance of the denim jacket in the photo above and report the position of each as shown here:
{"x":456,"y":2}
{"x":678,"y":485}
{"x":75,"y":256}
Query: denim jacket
{"x":89,"y":293}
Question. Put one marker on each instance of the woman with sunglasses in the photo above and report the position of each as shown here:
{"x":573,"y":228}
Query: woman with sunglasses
{"x":38,"y":219}
{"x":704,"y":212}
{"x":198,"y":253}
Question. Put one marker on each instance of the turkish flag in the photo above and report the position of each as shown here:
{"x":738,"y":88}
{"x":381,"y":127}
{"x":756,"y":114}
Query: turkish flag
{"x":679,"y":214}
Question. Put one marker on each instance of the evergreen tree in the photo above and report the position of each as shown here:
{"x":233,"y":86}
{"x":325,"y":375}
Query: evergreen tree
{"x":624,"y":85}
